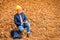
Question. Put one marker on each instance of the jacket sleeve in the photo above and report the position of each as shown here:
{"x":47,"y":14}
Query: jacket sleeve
{"x":15,"y":21}
{"x":25,"y":18}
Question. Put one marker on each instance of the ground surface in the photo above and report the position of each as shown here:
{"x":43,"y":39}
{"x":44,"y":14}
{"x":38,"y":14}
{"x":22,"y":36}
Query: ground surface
{"x":43,"y":15}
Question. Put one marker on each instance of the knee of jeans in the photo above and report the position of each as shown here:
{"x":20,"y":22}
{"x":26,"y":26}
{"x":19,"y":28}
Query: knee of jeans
{"x":28,"y":24}
{"x":21,"y":28}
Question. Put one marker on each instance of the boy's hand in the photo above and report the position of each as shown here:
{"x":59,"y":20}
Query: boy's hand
{"x":25,"y":21}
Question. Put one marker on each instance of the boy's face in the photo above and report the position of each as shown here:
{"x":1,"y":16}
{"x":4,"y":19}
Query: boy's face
{"x":19,"y":11}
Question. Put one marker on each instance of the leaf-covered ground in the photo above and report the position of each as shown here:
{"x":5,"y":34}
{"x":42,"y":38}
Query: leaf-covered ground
{"x":43,"y":15}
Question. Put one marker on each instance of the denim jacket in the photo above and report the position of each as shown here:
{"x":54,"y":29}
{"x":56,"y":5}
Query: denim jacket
{"x":17,"y":20}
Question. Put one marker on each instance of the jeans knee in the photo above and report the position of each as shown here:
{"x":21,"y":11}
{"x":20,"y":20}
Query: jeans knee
{"x":21,"y":28}
{"x":28,"y":24}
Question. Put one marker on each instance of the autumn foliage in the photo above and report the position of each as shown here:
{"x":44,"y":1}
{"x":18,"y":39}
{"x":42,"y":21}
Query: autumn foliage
{"x":43,"y":15}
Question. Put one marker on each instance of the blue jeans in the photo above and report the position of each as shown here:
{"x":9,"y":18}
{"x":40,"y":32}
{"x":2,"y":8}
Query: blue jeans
{"x":25,"y":25}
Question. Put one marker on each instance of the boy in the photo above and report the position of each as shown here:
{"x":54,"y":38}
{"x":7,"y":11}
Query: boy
{"x":21,"y":21}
